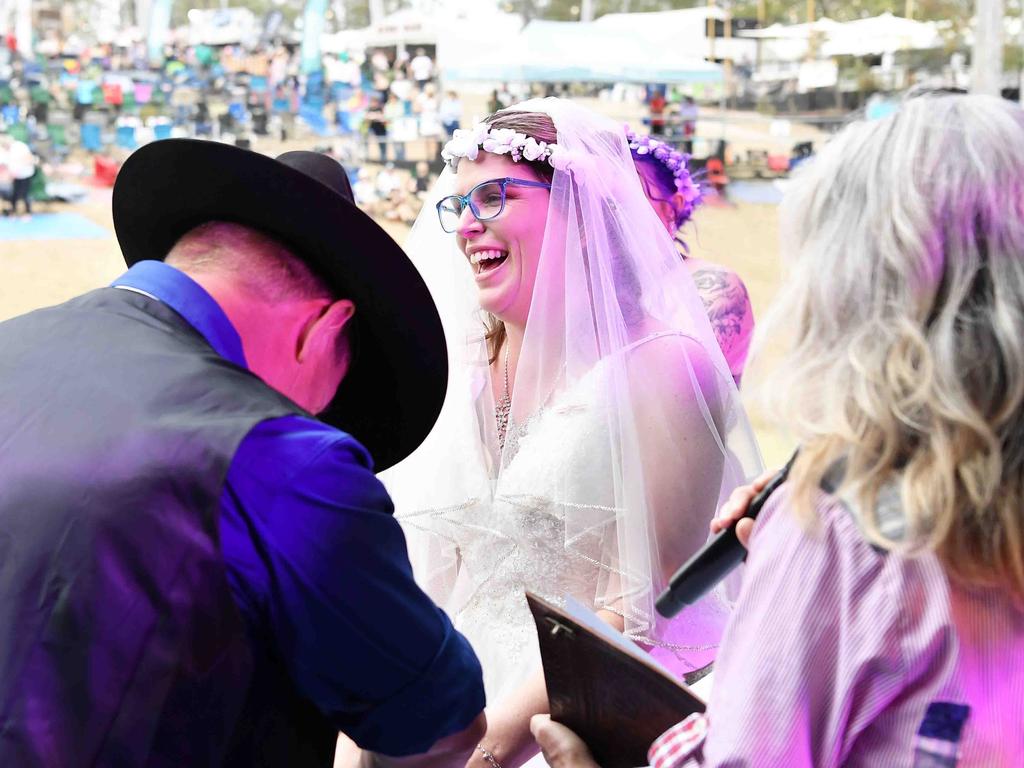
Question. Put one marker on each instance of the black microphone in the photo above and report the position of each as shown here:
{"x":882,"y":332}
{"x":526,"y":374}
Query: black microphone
{"x":719,"y":556}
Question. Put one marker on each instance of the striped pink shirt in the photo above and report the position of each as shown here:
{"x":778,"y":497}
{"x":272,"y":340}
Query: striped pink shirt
{"x":841,"y":655}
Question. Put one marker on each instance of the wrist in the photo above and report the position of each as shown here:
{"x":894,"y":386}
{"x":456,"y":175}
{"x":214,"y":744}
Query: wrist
{"x":488,"y":756}
{"x":507,"y":750}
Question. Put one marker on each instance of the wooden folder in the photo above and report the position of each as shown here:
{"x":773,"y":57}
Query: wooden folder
{"x":616,"y":702}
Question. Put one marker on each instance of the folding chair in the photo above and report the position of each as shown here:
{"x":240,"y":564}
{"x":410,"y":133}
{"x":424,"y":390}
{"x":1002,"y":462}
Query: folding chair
{"x":716,"y":175}
{"x":126,"y":137}
{"x":143,"y":92}
{"x":10,"y":113}
{"x":57,"y":134}
{"x":18,"y":132}
{"x":105,"y":170}
{"x":37,"y":188}
{"x":92,"y":137}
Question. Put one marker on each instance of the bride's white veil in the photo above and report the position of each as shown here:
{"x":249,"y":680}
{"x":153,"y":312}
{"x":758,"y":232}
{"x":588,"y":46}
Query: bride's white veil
{"x":619,"y":354}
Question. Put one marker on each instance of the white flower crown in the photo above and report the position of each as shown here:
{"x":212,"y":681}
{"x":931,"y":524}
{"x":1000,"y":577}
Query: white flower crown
{"x":467,"y":142}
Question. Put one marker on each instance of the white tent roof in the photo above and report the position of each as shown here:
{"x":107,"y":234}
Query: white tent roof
{"x":406,"y":26}
{"x":863,"y":37}
{"x":471,"y":44}
{"x":880,"y":34}
{"x":674,"y":34}
{"x":559,"y":51}
{"x":823,"y":25}
{"x":344,"y":40}
{"x":668,"y":27}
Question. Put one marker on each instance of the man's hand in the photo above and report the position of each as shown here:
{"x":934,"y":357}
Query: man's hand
{"x":561,"y":747}
{"x":736,"y":507}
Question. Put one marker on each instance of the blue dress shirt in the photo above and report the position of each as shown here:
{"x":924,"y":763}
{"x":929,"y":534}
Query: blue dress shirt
{"x":319,"y":568}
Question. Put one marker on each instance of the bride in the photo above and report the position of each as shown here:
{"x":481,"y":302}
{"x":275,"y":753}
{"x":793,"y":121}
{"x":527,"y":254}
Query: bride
{"x":591,"y":425}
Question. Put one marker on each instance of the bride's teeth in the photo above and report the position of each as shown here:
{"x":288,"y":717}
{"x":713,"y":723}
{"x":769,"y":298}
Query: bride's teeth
{"x":481,"y":256}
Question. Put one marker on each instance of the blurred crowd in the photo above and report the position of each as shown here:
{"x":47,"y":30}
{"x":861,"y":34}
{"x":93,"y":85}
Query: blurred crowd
{"x":382,"y":111}
{"x":206,"y":91}
{"x":89,"y":109}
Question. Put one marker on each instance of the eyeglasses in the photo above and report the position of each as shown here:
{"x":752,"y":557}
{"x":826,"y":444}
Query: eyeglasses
{"x":486,"y":201}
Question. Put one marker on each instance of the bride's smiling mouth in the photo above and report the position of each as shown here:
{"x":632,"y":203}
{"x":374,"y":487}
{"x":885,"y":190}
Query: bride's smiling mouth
{"x":485,"y":260}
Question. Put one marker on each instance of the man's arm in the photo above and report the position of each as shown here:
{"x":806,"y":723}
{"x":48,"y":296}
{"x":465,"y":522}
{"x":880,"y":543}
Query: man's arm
{"x":337,"y":599}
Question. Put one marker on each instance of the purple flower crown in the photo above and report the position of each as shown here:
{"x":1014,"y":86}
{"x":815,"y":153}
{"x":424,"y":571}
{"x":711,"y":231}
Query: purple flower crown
{"x":676,"y":162}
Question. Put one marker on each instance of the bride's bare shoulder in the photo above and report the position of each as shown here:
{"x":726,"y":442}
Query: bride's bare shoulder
{"x":672,"y":365}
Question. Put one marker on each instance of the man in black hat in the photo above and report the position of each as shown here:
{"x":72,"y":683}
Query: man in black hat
{"x":195,"y":571}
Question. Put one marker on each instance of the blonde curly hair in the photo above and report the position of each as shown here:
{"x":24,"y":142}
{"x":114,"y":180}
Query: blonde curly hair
{"x":904,"y":318}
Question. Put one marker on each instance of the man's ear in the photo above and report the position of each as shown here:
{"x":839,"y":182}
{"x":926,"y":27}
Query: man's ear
{"x":324,"y":328}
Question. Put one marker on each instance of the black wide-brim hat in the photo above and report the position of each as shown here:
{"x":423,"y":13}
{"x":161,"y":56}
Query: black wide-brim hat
{"x":395,"y":387}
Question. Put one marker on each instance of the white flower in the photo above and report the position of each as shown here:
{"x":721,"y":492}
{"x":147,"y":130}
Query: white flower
{"x":462,"y":144}
{"x":534,"y":150}
{"x":496,"y":147}
{"x":499,"y":141}
{"x":479,"y":131}
{"x":503,"y":135}
{"x":557,"y":157}
{"x":578,"y":164}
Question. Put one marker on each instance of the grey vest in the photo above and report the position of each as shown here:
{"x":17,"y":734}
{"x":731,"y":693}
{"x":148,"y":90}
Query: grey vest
{"x":120,"y":642}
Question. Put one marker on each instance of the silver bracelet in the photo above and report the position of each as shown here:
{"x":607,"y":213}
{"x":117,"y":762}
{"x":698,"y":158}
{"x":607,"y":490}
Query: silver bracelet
{"x":488,"y":757}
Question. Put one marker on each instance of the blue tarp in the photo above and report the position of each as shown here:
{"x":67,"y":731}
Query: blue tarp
{"x":51,"y":226}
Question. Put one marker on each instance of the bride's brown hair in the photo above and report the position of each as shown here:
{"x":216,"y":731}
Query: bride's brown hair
{"x":540,"y":127}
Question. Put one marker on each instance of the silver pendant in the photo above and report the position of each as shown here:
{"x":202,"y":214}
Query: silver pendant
{"x":501,"y":414}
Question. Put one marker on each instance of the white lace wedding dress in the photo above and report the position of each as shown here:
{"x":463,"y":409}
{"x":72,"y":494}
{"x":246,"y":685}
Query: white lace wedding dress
{"x":517,"y":541}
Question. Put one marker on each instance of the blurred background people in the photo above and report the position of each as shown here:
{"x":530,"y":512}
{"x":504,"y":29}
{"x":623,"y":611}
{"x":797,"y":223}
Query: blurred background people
{"x":20,"y":164}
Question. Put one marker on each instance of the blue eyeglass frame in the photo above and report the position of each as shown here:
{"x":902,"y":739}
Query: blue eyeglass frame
{"x":465,"y":202}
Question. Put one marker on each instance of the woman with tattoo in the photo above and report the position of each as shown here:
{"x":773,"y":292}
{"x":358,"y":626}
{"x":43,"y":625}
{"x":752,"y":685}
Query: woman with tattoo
{"x":673,"y":194}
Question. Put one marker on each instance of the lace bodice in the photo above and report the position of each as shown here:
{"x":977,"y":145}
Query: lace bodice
{"x":518,"y":541}
{"x":551,"y":526}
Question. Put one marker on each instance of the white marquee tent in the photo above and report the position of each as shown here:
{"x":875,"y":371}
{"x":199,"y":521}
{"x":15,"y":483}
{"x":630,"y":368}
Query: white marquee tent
{"x":880,"y":34}
{"x":406,"y":27}
{"x":554,"y":51}
{"x":863,"y":37}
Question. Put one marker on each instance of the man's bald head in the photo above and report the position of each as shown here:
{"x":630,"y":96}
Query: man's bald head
{"x":256,"y":261}
{"x":294,"y":331}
